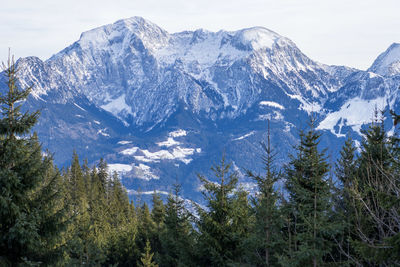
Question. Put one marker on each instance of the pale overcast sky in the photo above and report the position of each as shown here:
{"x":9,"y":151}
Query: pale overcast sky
{"x":340,"y":32}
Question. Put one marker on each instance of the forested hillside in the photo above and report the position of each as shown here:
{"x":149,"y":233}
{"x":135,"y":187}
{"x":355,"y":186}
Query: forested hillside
{"x":342,"y":214}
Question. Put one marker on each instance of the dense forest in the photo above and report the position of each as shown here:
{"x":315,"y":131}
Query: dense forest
{"x":342,"y":215}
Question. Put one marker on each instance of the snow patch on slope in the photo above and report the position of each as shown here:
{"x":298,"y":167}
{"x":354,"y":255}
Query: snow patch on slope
{"x":103,"y":132}
{"x":271,"y":104}
{"x":134,"y":192}
{"x":178,"y":133}
{"x":123,"y":142}
{"x":117,"y":105}
{"x":353,"y":113}
{"x":305,"y":105}
{"x":119,"y":168}
{"x":168,"y":143}
{"x":244,"y":136}
{"x":76,"y":105}
{"x":144,"y":172}
{"x":175,"y":151}
{"x":178,"y":153}
{"x":129,"y":151}
{"x":171,"y":141}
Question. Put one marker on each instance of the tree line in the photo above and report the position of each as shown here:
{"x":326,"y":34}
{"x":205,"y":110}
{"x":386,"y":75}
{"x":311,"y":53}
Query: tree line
{"x":347,"y":214}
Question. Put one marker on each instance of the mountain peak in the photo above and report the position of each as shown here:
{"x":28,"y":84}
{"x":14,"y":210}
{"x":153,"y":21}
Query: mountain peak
{"x":122,"y":31}
{"x":387,"y":63}
{"x":257,"y":38}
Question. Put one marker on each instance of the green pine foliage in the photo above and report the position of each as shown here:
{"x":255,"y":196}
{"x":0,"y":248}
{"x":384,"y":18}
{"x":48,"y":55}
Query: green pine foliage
{"x":376,"y":199}
{"x":346,"y":173}
{"x":221,"y":234}
{"x":157,"y":214}
{"x":146,"y":228}
{"x":147,"y":257}
{"x":266,"y":237}
{"x":309,"y":205}
{"x":177,"y":239}
{"x":31,"y":211}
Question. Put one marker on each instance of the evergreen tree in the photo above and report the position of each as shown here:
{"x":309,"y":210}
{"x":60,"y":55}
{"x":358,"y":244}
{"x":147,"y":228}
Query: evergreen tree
{"x":220,"y":237}
{"x":147,"y":257}
{"x":310,"y":204}
{"x":119,"y":203}
{"x":122,"y":220}
{"x":158,"y":211}
{"x":103,"y":178}
{"x":96,"y":210}
{"x":146,"y":229}
{"x":177,"y":239}
{"x":375,"y":194}
{"x":242,"y":224}
{"x":346,"y":173}
{"x":80,"y":245}
{"x":266,"y":236}
{"x":157,"y":214}
{"x":31,"y":213}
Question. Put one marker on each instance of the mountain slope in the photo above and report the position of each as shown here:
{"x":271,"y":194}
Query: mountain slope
{"x":161,"y":106}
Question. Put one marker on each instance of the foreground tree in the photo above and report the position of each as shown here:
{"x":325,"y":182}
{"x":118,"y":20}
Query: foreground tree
{"x":309,"y":205}
{"x":222,"y":229}
{"x":376,"y":197}
{"x":265,"y":239}
{"x":346,"y":173}
{"x":177,"y":239}
{"x":147,"y":257}
{"x":32,"y":215}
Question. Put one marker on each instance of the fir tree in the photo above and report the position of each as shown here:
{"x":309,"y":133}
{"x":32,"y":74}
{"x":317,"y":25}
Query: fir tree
{"x":346,"y":173}
{"x":375,"y":194}
{"x":177,"y":239}
{"x":119,"y":203}
{"x":123,"y":223}
{"x":158,"y":210}
{"x":80,"y":243}
{"x":147,"y":257}
{"x":157,"y":214}
{"x":266,"y":236}
{"x":146,"y":229}
{"x":310,"y":204}
{"x":31,"y":213}
{"x":219,"y":235}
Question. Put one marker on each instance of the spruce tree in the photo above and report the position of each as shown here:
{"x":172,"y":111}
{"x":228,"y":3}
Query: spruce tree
{"x":377,"y":206}
{"x":123,"y":226}
{"x":346,"y":173}
{"x":220,"y":237}
{"x":177,"y":239}
{"x":310,"y":203}
{"x":119,"y":206}
{"x":31,"y":213}
{"x":147,"y":257}
{"x":103,"y":178}
{"x":157,"y":214}
{"x":80,"y":245}
{"x":146,"y":229}
{"x":266,"y":236}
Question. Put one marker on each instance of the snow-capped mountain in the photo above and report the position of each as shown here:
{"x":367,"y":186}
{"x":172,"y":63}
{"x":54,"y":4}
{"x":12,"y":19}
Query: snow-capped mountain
{"x":161,"y":106}
{"x":139,"y":72}
{"x":388,"y":63}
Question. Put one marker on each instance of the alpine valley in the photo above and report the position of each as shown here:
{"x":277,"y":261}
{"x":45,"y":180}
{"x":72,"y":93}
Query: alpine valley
{"x":162,"y":107}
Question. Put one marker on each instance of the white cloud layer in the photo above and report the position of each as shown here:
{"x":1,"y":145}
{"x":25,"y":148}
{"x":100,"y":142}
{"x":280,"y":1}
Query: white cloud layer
{"x":337,"y":32}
